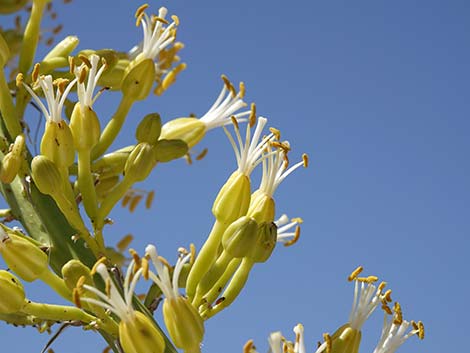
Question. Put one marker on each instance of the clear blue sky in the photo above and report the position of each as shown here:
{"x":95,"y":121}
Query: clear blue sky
{"x":377,"y":94}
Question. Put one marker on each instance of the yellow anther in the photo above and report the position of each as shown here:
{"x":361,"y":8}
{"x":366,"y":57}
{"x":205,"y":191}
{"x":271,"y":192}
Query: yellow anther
{"x":388,"y":296}
{"x":420,"y":330}
{"x":61,"y":84}
{"x":125,"y":200}
{"x":145,"y":268}
{"x":229,"y":85}
{"x":192,"y":249}
{"x":76,"y":298}
{"x":19,"y":80}
{"x":135,"y":202}
{"x":252,"y":118}
{"x":83,"y":74}
{"x":275,"y":132}
{"x":355,"y":273}
{"x":178,"y":46}
{"x":297,"y":220}
{"x":138,"y":19}
{"x":124,"y":242}
{"x":398,"y":319}
{"x":202,"y":154}
{"x":160,"y":19}
{"x":386,"y":308}
{"x":137,"y":259}
{"x":139,"y":12}
{"x":248,"y":347}
{"x":101,"y":260}
{"x":242,"y":89}
{"x":176,"y":20}
{"x":85,"y":60}
{"x":327,"y":339}
{"x":107,"y":288}
{"x":35,"y":73}
{"x":295,"y":239}
{"x":234,"y":122}
{"x":71,"y":64}
{"x":149,"y":199}
{"x":165,"y":262}
{"x":381,"y":286}
{"x":305,"y":160}
{"x":80,"y":282}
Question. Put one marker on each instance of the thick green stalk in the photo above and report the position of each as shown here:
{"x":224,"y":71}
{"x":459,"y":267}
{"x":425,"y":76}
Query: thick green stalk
{"x":7,"y":108}
{"x":86,"y":185}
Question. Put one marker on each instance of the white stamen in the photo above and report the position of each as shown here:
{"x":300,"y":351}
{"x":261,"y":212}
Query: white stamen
{"x":393,"y":335}
{"x":275,"y":342}
{"x":85,"y":91}
{"x":284,"y":225}
{"x":299,"y":346}
{"x":366,"y":299}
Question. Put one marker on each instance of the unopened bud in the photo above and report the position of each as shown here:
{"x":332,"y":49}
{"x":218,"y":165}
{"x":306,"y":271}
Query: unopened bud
{"x":57,"y":144}
{"x":139,"y":335}
{"x":73,"y":270}
{"x":240,"y":236}
{"x":22,"y":257}
{"x":168,"y":150}
{"x":12,"y":290}
{"x":190,"y":130}
{"x":46,"y":175}
{"x":11,"y":6}
{"x":262,"y":207}
{"x":265,"y":242}
{"x":112,"y":77}
{"x":184,"y":324}
{"x":138,"y":79}
{"x":233,"y":199}
{"x":12,"y":161}
{"x":140,"y":162}
{"x":345,"y":340}
{"x":105,"y":185}
{"x":149,"y":128}
{"x":85,"y":127}
{"x":62,"y":49}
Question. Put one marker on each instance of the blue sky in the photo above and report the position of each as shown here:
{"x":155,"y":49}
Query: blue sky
{"x":377,"y":94}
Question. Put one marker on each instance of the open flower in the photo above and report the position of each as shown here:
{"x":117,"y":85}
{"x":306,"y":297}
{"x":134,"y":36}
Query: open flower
{"x":88,"y":75}
{"x":137,"y":334}
{"x":396,"y":331}
{"x":284,"y":225}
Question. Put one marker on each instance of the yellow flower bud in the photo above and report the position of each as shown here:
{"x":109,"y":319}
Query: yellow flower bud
{"x":240,"y":237}
{"x":190,"y":130}
{"x":149,"y":128}
{"x":105,"y":185}
{"x":139,"y":335}
{"x":138,"y":79}
{"x":62,"y":49}
{"x":11,"y":163}
{"x":73,"y":270}
{"x":184,"y":324}
{"x":345,"y":340}
{"x":46,"y":175}
{"x":265,"y":242}
{"x":12,"y":290}
{"x":22,"y":256}
{"x":262,"y":207}
{"x":10,"y":6}
{"x":140,"y":162}
{"x":168,"y":150}
{"x":233,"y":199}
{"x":57,"y":144}
{"x":85,"y":127}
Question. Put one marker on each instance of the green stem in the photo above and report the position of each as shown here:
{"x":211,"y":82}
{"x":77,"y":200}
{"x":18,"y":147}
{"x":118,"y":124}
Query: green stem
{"x":216,"y":289}
{"x":7,"y":108}
{"x":205,"y":258}
{"x":57,"y":312}
{"x":86,"y":185}
{"x":57,"y":284}
{"x":112,"y":129}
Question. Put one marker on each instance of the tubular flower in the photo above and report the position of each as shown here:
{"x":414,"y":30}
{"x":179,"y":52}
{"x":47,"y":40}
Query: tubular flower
{"x":88,"y":70}
{"x":284,"y":235}
{"x":191,"y":130}
{"x":184,"y":324}
{"x":396,"y":331}
{"x":137,"y":334}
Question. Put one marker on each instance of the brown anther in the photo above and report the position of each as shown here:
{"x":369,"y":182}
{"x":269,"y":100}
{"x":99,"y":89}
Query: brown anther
{"x":234,"y":122}
{"x":101,"y":260}
{"x":76,"y":298}
{"x":420,"y":330}
{"x":305,"y":160}
{"x":386,"y":308}
{"x":19,"y":80}
{"x":57,"y":29}
{"x":135,"y":202}
{"x":202,"y":154}
{"x":275,"y":132}
{"x":192,"y":249}
{"x":165,"y":262}
{"x":71,"y":64}
{"x":137,"y":259}
{"x":141,"y":10}
{"x":382,"y":286}
{"x":138,"y":19}
{"x":85,"y":60}
{"x":295,"y":239}
{"x":252,"y":117}
{"x":176,"y":20}
{"x":388,"y":296}
{"x":241,"y":89}
{"x":35,"y":73}
{"x":355,"y":273}
{"x":248,"y":347}
{"x":83,"y":75}
{"x":125,"y":200}
{"x":107,"y":288}
{"x":61,"y":84}
{"x":159,"y":19}
{"x":149,"y":199}
{"x":372,"y":279}
{"x":145,"y":268}
{"x":229,"y":85}
{"x":327,"y":339}
{"x":124,"y":242}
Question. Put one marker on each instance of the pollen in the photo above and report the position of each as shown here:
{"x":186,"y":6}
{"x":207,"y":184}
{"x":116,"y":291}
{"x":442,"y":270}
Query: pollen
{"x":355,"y":273}
{"x":420,"y":330}
{"x":398,"y":319}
